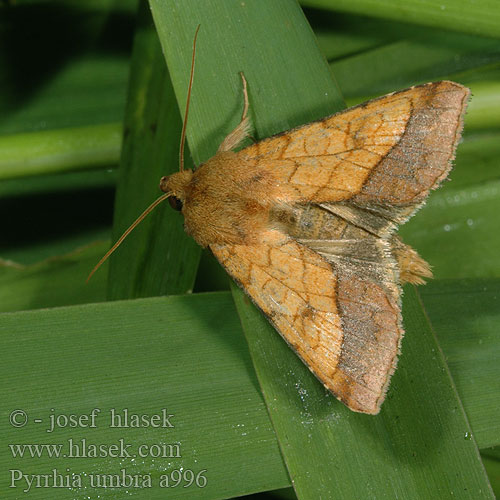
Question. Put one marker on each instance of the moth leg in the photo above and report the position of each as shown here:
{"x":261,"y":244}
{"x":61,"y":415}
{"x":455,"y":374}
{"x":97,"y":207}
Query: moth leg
{"x":412,"y":268}
{"x":242,"y":131}
{"x":245,"y":96}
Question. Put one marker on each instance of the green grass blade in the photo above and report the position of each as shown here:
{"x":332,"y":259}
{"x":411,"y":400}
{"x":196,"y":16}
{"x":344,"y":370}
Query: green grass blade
{"x":481,"y":17}
{"x":158,"y":257}
{"x":427,"y":56}
{"x":56,"y":151}
{"x":54,"y":282}
{"x":45,"y":185}
{"x":484,"y":110}
{"x":342,"y":35}
{"x":139,"y":355}
{"x":465,"y":315}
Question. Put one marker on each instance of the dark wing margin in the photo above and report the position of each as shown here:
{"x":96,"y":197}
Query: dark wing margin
{"x":422,"y":157}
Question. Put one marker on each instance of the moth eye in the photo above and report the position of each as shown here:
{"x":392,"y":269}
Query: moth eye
{"x":175,"y":203}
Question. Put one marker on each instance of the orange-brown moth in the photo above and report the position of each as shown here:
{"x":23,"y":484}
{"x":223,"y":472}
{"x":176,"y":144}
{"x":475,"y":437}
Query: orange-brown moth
{"x":305,"y":222}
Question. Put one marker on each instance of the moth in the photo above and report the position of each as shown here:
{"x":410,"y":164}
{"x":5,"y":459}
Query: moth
{"x":305,"y":223}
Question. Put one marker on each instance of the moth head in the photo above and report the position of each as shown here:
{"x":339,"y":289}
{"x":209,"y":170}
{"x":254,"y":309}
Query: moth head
{"x":177,"y":185}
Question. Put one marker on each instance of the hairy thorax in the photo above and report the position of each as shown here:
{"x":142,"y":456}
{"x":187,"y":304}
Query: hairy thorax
{"x":225,"y":201}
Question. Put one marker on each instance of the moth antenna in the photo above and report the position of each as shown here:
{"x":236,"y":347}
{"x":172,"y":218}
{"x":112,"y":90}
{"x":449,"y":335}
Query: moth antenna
{"x":127,"y":232}
{"x":183,"y":134}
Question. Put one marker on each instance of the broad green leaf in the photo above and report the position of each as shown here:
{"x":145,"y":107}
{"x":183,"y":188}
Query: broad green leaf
{"x":158,"y":258}
{"x":90,"y":353}
{"x":54,"y":282}
{"x":465,"y":316}
{"x":87,"y":90}
{"x":427,"y":56}
{"x":479,"y":17}
{"x":342,"y":35}
{"x":138,"y":355}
